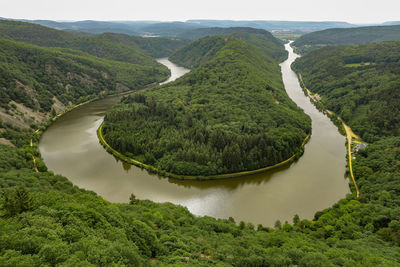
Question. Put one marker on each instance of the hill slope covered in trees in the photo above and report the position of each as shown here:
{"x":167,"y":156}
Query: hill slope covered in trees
{"x":46,"y":221}
{"x":39,"y":77}
{"x":359,"y":83}
{"x":121,"y":47}
{"x":350,"y":36}
{"x":262,"y":39}
{"x":230,"y":114}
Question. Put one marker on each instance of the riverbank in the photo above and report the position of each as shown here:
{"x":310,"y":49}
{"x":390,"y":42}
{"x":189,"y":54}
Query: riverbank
{"x":343,"y":129}
{"x":70,"y":147}
{"x":34,"y":141}
{"x":152,"y":169}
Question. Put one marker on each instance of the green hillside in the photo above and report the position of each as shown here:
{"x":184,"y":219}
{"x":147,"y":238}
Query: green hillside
{"x":349,"y":36}
{"x":262,"y":39}
{"x":360,"y":83}
{"x":34,"y":75}
{"x":112,"y":46}
{"x":230,"y":114}
{"x":154,"y":46}
{"x":198,"y":52}
{"x":47,"y":221}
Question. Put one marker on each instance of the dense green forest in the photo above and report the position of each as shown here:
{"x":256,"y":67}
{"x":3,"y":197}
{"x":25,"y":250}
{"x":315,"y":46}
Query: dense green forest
{"x":65,"y":69}
{"x":33,"y":75}
{"x":359,"y":83}
{"x":349,"y":36}
{"x":230,"y":114}
{"x":46,"y":221}
{"x":120,"y":47}
{"x":154,"y":46}
{"x":262,"y":39}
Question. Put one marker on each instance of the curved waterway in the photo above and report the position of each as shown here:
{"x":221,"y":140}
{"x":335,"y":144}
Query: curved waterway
{"x":70,"y":147}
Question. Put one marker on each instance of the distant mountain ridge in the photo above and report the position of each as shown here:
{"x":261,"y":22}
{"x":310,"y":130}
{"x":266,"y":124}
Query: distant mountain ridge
{"x":175,"y":28}
{"x":351,"y":36}
{"x":272,"y":25}
{"x":113,"y":46}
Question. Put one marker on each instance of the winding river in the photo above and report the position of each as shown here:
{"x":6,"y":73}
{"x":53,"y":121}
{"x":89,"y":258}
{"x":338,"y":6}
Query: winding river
{"x":317,"y":180}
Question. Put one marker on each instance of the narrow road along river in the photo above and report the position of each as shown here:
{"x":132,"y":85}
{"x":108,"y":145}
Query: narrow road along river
{"x":70,"y":147}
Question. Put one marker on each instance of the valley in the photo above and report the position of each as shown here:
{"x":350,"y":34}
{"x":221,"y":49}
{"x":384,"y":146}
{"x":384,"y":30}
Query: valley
{"x":72,"y":139}
{"x":66,"y":201}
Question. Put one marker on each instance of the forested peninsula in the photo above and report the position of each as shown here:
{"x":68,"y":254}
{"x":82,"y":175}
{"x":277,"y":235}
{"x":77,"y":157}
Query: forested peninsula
{"x":256,"y":37}
{"x":229,"y":114}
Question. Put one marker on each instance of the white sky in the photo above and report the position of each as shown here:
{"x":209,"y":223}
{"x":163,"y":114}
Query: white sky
{"x":353,"y":11}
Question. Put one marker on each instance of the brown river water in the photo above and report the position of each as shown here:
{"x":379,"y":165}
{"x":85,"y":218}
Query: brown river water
{"x":316,"y":181}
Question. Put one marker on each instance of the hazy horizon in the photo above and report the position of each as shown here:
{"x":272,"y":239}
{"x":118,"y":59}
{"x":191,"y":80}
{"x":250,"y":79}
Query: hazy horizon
{"x":186,"y":20}
{"x":356,"y":12}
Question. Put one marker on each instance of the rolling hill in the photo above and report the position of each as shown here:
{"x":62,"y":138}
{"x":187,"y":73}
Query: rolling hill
{"x":45,"y":220}
{"x":171,"y":29}
{"x":351,"y":36}
{"x":198,"y":52}
{"x":133,"y":49}
{"x":360,"y":83}
{"x":43,"y":79}
{"x":230,"y":114}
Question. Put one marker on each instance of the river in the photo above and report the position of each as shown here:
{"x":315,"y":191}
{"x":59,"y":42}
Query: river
{"x":316,"y":181}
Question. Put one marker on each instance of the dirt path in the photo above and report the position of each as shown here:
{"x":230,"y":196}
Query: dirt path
{"x":350,"y":135}
{"x":33,"y":158}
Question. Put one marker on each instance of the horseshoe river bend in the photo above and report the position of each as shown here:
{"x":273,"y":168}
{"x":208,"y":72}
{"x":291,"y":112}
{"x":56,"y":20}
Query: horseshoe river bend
{"x":70,"y":147}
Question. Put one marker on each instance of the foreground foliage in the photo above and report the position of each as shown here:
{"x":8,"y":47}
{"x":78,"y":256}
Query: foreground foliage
{"x":45,"y":220}
{"x":230,"y":114}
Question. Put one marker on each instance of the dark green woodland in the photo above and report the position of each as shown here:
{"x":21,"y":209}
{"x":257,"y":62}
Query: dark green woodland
{"x":47,"y":221}
{"x":229,"y":114}
{"x":359,"y":83}
{"x":348,"y":36}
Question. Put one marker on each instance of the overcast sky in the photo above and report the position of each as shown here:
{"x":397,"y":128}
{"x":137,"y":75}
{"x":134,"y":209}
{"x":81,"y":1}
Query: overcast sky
{"x":354,"y":11}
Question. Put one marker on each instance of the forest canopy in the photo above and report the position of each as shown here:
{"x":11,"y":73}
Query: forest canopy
{"x":114,"y":46}
{"x":256,"y":37}
{"x":34,"y":75}
{"x":229,"y":114}
{"x":359,"y":83}
{"x":47,"y":221}
{"x":349,"y":36}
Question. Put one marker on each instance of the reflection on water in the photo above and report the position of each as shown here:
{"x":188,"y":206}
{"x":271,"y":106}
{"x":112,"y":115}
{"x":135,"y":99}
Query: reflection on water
{"x":70,"y":147}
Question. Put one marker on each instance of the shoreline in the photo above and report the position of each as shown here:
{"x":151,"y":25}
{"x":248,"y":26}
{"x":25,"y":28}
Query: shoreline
{"x":36,"y":135}
{"x":166,"y":174}
{"x":344,"y":130}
